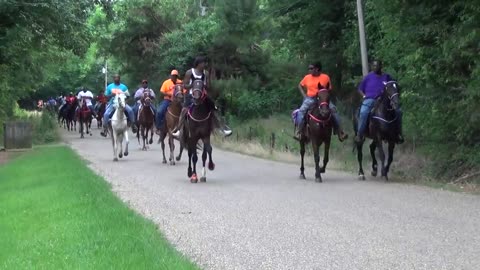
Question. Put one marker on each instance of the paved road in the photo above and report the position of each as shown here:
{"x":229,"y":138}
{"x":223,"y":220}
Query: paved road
{"x":256,"y":214}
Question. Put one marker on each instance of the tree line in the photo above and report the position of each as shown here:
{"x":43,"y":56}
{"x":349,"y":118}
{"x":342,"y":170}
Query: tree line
{"x":258,"y":51}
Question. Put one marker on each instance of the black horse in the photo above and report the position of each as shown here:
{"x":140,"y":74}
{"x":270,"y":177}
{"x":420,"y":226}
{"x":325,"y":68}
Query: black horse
{"x":199,"y":125}
{"x":381,"y":126}
{"x":318,"y":131}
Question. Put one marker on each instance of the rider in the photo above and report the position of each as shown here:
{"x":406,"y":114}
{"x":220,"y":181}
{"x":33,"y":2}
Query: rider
{"x":309,"y":84}
{"x":139,"y":95}
{"x":166,"y":90}
{"x":101,"y":99}
{"x":110,"y":94}
{"x":370,"y":89}
{"x":86,"y":96}
{"x":198,"y":72}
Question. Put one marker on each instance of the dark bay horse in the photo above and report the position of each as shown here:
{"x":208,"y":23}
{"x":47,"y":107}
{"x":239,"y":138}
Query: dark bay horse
{"x":84,"y":118}
{"x":172,"y":118}
{"x":318,"y":130}
{"x":101,"y":112}
{"x":146,"y":120}
{"x":199,"y":126}
{"x":381,"y":126}
{"x":68,"y":113}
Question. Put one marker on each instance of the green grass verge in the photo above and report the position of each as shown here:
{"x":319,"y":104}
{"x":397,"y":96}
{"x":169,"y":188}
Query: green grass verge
{"x":57,"y":214}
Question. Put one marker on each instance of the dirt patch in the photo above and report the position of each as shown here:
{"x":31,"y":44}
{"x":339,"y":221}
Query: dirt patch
{"x":3,"y":157}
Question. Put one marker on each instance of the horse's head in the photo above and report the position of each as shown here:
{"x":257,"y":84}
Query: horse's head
{"x":197,"y":92}
{"x":323,"y":100}
{"x":178,"y":92}
{"x":392,"y":93}
{"x":146,"y":98}
{"x":119,"y":101}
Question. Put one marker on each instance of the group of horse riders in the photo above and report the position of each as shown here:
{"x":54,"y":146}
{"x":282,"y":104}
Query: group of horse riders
{"x":370,"y":88}
{"x":197,"y":73}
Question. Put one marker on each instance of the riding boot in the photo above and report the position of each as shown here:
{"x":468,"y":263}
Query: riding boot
{"x":181,"y":121}
{"x":226,"y":131}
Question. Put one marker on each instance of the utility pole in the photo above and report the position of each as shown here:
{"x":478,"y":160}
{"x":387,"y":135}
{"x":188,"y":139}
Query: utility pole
{"x":363,"y":41}
{"x":106,"y":74}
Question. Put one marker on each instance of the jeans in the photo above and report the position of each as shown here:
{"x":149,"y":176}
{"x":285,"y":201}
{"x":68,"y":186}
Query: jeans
{"x":367,"y":106}
{"x":307,"y":104}
{"x":109,"y":110}
{"x":161,"y":111}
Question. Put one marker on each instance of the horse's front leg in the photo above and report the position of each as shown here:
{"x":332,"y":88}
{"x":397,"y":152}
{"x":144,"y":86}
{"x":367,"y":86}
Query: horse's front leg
{"x":302,"y":156}
{"x":325,"y":156}
{"x":114,"y":145}
{"x":190,"y":156}
{"x":381,"y":154}
{"x":179,"y":157}
{"x":203,"y":178}
{"x":316,"y":154}
{"x":373,"y":147}
{"x":162,"y":141}
{"x":120,"y":144}
{"x":125,"y":135}
{"x":361,"y":174}
{"x":171,"y":143}
{"x":209,"y":148}
{"x":151,"y":135}
{"x":194,"y":178}
{"x":391,"y":147}
{"x":144,"y":138}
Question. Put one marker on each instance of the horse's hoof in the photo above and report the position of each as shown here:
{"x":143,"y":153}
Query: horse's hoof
{"x":120,"y":155}
{"x":302,"y":177}
{"x":318,"y":179}
{"x":115,"y":159}
{"x":190,"y":172}
{"x":374,"y":173}
{"x":172,"y":163}
{"x":150,"y":142}
{"x":91,"y":134}
{"x":361,"y":177}
{"x":211,"y":166}
{"x":203,"y":179}
{"x":125,"y":154}
{"x":164,"y":161}
{"x":385,"y":178}
{"x":178,"y":158}
{"x":322,"y":170}
{"x":193,"y":179}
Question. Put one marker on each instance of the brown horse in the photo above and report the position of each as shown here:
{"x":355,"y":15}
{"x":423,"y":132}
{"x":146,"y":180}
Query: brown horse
{"x":146,"y":119}
{"x":318,"y":130}
{"x":84,"y":118}
{"x":199,"y":125}
{"x":171,"y":120}
{"x":382,"y":126}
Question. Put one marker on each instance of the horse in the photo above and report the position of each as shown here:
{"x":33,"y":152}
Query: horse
{"x":101,"y":112}
{"x":199,"y":125}
{"x":381,"y":126}
{"x":318,"y":131}
{"x":172,"y":118}
{"x":146,"y":120}
{"x":118,"y":127}
{"x":68,"y":114}
{"x":84,"y":118}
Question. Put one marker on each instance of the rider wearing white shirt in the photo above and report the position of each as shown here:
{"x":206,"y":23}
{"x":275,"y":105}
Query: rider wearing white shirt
{"x":86,"y":96}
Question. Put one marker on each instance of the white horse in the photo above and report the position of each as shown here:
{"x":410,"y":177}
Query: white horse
{"x":118,"y":128}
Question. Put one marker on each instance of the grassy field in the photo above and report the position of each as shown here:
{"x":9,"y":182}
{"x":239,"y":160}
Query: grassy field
{"x":57,"y":214}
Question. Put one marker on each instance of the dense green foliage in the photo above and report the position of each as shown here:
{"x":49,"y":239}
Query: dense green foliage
{"x":258,"y":51}
{"x":66,"y":217}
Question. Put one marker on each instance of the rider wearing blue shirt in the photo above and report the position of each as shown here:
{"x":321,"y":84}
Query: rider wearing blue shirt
{"x":110,"y":94}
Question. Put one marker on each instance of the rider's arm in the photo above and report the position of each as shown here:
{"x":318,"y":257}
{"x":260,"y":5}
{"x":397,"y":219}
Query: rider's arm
{"x":361,"y":87}
{"x":301,"y":88}
{"x":186,"y":80}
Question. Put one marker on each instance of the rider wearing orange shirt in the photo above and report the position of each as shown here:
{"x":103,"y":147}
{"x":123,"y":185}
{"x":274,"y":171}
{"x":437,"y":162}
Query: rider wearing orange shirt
{"x":308,"y":87}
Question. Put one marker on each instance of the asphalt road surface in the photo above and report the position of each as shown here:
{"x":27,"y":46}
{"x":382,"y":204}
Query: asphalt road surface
{"x":257,"y":214}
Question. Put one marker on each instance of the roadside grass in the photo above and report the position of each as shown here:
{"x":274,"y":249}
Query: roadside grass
{"x":57,"y":214}
{"x":254,"y":137}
